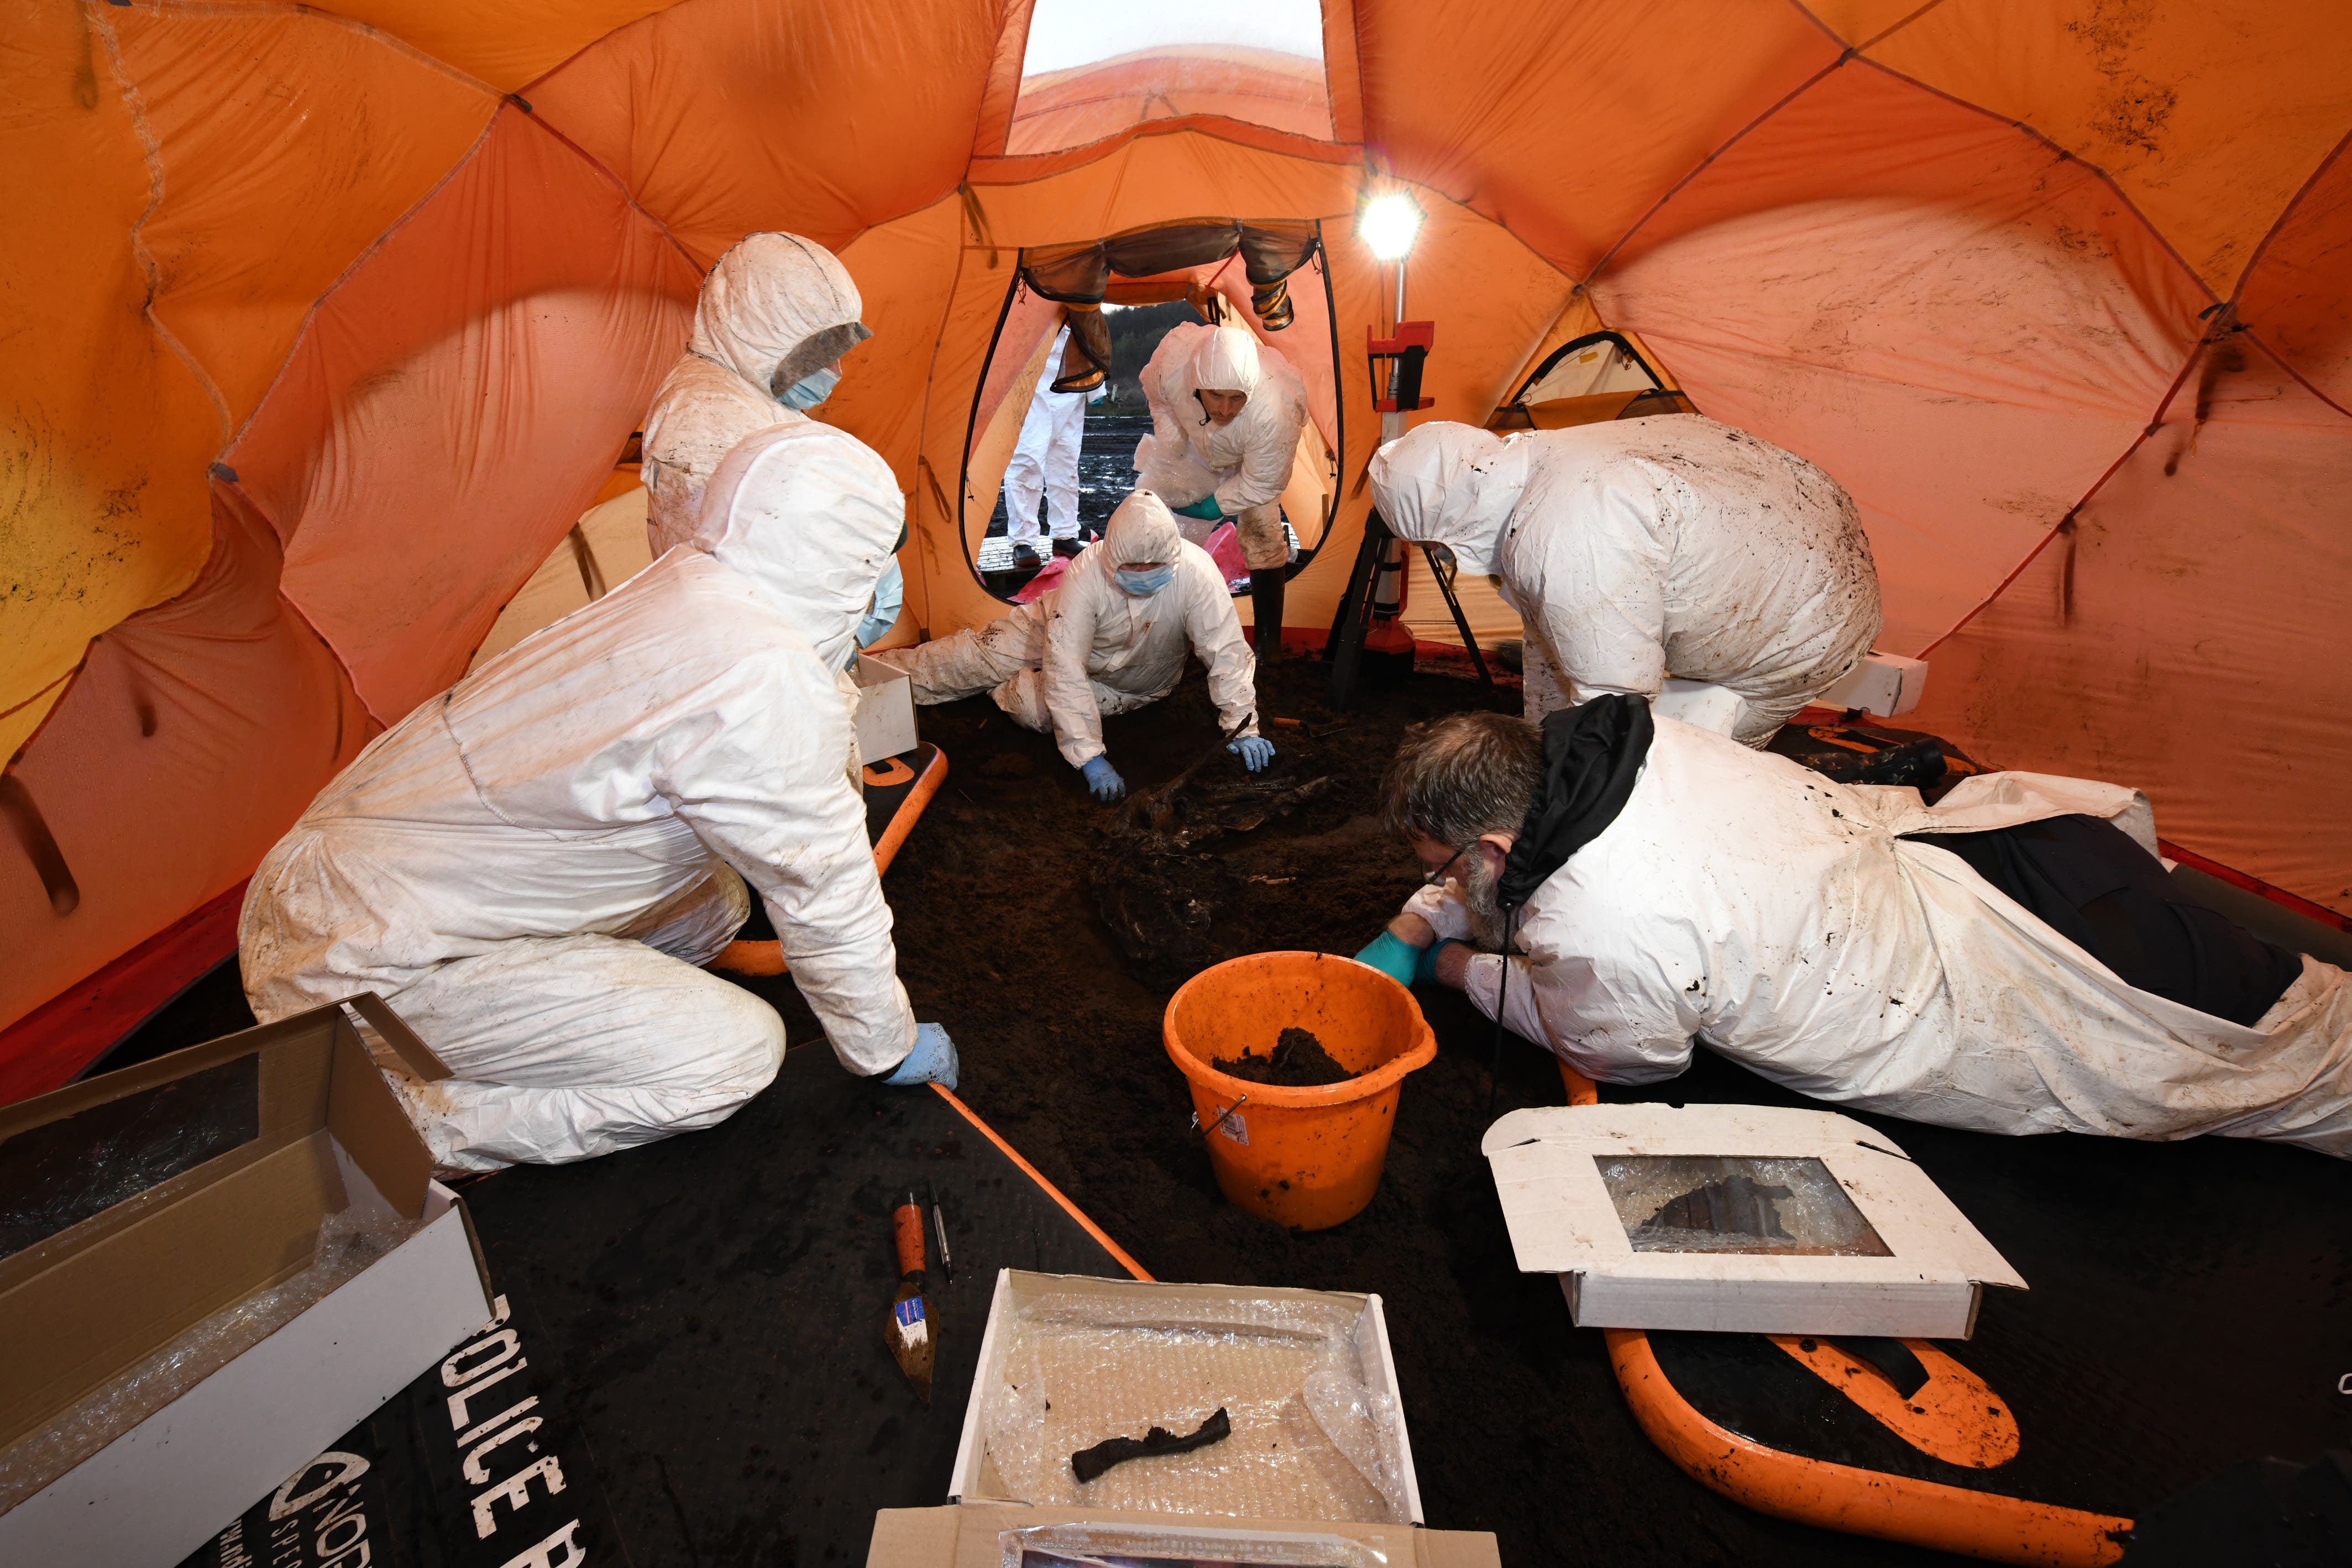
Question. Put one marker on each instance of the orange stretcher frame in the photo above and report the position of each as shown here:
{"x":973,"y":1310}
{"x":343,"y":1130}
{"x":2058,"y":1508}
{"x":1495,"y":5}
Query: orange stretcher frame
{"x":1841,"y":1497}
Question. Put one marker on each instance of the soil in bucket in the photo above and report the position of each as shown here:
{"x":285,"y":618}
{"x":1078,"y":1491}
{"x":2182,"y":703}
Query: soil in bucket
{"x":1296,"y":1062}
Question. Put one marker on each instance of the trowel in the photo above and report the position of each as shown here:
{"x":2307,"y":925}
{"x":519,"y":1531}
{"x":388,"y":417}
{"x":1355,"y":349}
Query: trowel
{"x":910,"y":1335}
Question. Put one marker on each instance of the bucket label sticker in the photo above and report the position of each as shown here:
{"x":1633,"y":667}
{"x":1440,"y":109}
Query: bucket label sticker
{"x":1233,"y":1127}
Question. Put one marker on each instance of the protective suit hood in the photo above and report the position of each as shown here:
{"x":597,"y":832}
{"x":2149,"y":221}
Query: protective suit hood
{"x":1141,"y":530}
{"x":776,"y":307}
{"x":1226,"y":360}
{"x":809,"y":514}
{"x":1451,"y":485}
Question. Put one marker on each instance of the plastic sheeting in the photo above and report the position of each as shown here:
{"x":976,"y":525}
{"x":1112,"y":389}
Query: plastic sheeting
{"x":1962,"y":267}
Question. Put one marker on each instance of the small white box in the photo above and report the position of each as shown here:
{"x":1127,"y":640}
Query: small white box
{"x":886,"y":711}
{"x":1737,"y":1218}
{"x":243,"y":1153}
{"x":1882,"y":684}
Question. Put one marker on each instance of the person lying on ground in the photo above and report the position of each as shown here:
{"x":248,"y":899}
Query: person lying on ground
{"x":1226,"y":413}
{"x":2012,"y":959}
{"x":1671,"y":557}
{"x":1109,"y":637}
{"x":530,"y":867}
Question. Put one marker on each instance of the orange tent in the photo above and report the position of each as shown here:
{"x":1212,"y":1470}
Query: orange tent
{"x":327,"y":322}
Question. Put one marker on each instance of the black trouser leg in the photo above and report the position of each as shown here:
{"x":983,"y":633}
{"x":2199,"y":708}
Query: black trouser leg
{"x":1265,"y":608}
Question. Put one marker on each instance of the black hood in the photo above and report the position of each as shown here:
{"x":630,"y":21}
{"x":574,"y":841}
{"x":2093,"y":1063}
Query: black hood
{"x":1593,"y":755}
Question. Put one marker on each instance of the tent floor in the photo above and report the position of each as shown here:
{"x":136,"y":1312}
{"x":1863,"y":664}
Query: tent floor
{"x":2191,"y":1303}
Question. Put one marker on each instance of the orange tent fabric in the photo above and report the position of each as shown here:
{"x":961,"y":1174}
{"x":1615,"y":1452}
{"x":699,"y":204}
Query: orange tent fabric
{"x":325,"y":323}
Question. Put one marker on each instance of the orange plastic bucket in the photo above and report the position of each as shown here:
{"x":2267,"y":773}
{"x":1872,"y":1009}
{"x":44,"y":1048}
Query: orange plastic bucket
{"x":1307,"y":1158}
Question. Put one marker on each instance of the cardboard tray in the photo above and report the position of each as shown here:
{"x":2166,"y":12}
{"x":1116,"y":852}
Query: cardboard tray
{"x":136,"y":1205}
{"x":1548,"y":1171}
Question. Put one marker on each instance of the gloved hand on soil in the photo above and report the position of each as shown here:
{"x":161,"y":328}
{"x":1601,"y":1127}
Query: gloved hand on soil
{"x":1392,"y":956}
{"x":933,"y":1060}
{"x":1104,"y":780}
{"x":1205,"y":509}
{"x":1255,"y":751}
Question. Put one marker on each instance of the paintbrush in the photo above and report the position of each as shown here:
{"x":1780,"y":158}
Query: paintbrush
{"x":913,"y":1344}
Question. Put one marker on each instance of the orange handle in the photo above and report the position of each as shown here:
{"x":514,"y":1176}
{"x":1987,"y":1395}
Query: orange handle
{"x":907,"y":1221}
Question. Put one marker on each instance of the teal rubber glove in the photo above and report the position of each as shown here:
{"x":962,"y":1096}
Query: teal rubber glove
{"x":1104,"y":779}
{"x":933,"y":1060}
{"x":1205,"y":509}
{"x":1392,"y":956}
{"x":1255,"y":751}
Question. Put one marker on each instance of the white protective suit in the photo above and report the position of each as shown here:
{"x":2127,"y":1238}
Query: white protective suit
{"x":775,"y":308}
{"x":1777,"y":916}
{"x":531,"y":866}
{"x":1672,"y":559}
{"x":1088,"y":647}
{"x":1246,"y":464}
{"x":1045,"y":458}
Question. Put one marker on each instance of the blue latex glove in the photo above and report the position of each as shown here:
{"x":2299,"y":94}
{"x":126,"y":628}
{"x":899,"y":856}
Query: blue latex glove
{"x":1104,"y":779}
{"x":1255,"y":751}
{"x":1424,"y":973}
{"x":933,"y":1060}
{"x":1394,"y":956}
{"x":1205,"y":509}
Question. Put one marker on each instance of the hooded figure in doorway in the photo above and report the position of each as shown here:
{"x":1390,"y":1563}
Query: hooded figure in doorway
{"x":530,"y":867}
{"x":1226,"y":414}
{"x":1111,"y":637}
{"x":1672,"y":559}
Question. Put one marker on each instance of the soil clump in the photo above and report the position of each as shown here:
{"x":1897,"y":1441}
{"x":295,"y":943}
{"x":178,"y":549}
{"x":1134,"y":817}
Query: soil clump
{"x":1296,"y":1062}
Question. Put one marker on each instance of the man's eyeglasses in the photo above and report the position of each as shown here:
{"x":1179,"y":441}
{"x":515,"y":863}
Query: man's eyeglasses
{"x":1432,"y":878}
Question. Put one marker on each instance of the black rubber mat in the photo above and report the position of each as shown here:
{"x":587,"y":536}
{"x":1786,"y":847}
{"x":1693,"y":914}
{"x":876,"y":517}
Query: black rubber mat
{"x":703,"y":1321}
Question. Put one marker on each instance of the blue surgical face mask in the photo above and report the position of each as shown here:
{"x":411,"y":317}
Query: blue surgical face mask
{"x":889,"y":594}
{"x":811,"y":389}
{"x":1144,"y":584}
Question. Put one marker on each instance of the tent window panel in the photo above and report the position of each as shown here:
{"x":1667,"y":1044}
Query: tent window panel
{"x":1092,"y":69}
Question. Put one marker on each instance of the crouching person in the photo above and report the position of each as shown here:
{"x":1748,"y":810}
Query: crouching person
{"x":531,"y":866}
{"x":1109,"y":637}
{"x":2011,"y":960}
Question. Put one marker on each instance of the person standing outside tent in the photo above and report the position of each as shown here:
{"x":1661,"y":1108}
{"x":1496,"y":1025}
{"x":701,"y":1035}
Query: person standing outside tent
{"x":1109,"y":637}
{"x":1671,"y":559}
{"x":1226,"y":414}
{"x":1045,"y":461}
{"x":2012,"y":959}
{"x":530,"y":867}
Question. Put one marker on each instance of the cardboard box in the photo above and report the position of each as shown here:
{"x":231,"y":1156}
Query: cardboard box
{"x":984,"y":1528}
{"x":1882,"y":684}
{"x":886,"y":711}
{"x":1739,"y":1218}
{"x":136,"y":1206}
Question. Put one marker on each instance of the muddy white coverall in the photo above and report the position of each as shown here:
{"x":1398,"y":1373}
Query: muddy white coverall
{"x":1777,"y":916}
{"x":529,"y":866}
{"x":1658,"y":557}
{"x":1045,"y":458}
{"x":1244,"y":464}
{"x":775,"y":308}
{"x":1088,"y":647}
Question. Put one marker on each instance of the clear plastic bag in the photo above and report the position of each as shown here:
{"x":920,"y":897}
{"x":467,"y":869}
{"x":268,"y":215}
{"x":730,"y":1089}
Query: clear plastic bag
{"x":1726,"y":1203}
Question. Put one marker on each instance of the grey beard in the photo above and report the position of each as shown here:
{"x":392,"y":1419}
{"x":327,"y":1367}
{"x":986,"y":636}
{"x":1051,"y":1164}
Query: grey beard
{"x":1481,"y":899}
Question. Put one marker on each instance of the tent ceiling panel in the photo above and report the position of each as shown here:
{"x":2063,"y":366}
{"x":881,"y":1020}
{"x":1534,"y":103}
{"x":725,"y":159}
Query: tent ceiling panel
{"x":455,"y":403}
{"x":196,"y":731}
{"x":2297,"y":296}
{"x":508,"y":45}
{"x":1567,"y":122}
{"x":288,"y":142}
{"x":2184,"y":635}
{"x":1071,"y":108}
{"x":727,"y":116}
{"x":1164,"y":178}
{"x":2208,"y":117}
{"x":104,"y":429}
{"x":1898,"y":287}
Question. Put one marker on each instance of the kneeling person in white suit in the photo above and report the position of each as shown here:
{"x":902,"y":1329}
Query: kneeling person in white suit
{"x":1672,"y":559}
{"x":1672,"y":888}
{"x":531,"y":866}
{"x":1109,"y":637}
